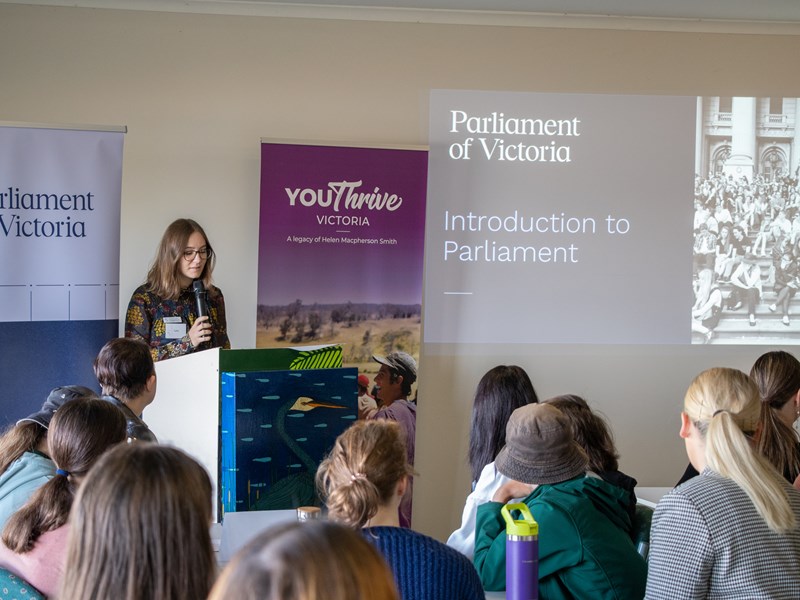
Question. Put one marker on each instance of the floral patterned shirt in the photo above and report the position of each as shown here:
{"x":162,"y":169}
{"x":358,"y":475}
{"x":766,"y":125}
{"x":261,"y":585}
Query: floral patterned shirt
{"x":144,"y":320}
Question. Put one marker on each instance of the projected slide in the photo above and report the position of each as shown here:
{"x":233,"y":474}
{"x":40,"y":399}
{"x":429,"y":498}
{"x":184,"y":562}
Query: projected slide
{"x":566,"y":218}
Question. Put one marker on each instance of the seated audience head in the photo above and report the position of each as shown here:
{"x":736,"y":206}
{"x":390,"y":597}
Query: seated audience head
{"x":307,"y":561}
{"x":590,"y":431}
{"x":80,"y":431}
{"x":500,"y":392}
{"x":124,"y":367}
{"x":540,"y":448}
{"x":140,"y":528}
{"x":366,"y":470}
{"x":363,"y":384}
{"x":30,"y":433}
{"x":777,"y":375}
{"x":720,"y":415}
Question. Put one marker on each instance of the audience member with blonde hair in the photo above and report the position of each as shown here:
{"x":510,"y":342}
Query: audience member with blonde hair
{"x":34,"y":539}
{"x":306,"y":561}
{"x":25,"y":464}
{"x":140,"y":528}
{"x":732,"y":531}
{"x":777,"y":376}
{"x":363,"y":480}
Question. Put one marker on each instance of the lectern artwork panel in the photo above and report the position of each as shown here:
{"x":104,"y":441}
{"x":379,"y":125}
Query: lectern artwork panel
{"x":276,"y":427}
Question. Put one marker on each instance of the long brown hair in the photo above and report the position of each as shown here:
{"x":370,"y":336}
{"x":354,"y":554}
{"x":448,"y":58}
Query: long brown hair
{"x":140,"y":528}
{"x":777,"y":375}
{"x":17,"y":440}
{"x":591,"y":432}
{"x":307,"y":561}
{"x":362,"y":471}
{"x":500,"y":392}
{"x":163,"y":278}
{"x":80,"y":432}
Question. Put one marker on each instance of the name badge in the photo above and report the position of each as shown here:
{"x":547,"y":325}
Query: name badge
{"x":175,"y":328}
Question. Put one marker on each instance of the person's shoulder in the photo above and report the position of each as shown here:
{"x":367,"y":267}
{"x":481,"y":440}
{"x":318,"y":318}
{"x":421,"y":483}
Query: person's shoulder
{"x":420,"y":560}
{"x":619,"y":479}
{"x":396,"y":408}
{"x":142,"y":295}
{"x":39,"y":464}
{"x":708,"y":493}
{"x":135,"y":428}
{"x":138,"y":430}
{"x":430,"y":548}
{"x":490,"y":479}
{"x":115,"y":401}
{"x":213,"y":291}
{"x":553,"y":502}
{"x":794,"y":499}
{"x":29,"y":471}
{"x":409,"y":406}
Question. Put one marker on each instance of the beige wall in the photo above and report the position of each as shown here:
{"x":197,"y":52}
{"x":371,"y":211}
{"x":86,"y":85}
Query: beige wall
{"x":198,"y":92}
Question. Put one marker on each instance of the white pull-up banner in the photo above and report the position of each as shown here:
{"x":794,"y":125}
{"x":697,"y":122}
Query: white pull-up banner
{"x":59,"y":257}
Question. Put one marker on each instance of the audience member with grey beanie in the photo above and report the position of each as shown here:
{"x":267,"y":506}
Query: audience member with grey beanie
{"x":584,"y":547}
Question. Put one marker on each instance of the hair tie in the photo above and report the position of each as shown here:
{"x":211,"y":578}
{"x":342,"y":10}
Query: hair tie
{"x":62,"y":472}
{"x":356,"y":476}
{"x":721,"y":410}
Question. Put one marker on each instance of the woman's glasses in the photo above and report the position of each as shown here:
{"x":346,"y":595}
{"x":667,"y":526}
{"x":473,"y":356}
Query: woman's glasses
{"x":188,"y":255}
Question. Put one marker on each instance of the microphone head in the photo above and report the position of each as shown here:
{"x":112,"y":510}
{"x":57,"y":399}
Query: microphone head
{"x":200,"y":298}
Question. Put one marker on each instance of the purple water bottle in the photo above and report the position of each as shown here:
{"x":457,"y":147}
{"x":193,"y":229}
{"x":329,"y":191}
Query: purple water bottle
{"x":522,"y":554}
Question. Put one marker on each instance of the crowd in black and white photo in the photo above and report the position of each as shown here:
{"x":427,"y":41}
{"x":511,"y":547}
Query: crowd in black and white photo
{"x":746,"y":248}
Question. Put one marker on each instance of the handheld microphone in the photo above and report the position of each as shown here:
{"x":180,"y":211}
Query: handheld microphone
{"x":200,"y":298}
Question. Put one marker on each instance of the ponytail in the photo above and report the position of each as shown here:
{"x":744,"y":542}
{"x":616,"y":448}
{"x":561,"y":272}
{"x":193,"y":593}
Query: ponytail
{"x":777,"y":442}
{"x":79,"y":433}
{"x":777,"y":375}
{"x":724,"y":406}
{"x":362,"y":471}
{"x":352,"y":502}
{"x":47,"y":509}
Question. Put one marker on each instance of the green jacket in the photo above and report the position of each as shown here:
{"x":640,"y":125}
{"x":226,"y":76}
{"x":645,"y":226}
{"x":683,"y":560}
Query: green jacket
{"x":585,"y":550}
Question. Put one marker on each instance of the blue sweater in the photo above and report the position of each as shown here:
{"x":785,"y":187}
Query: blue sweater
{"x":424,"y":568}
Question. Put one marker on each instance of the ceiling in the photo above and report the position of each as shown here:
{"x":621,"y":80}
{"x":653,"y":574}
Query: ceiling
{"x":748,"y":16}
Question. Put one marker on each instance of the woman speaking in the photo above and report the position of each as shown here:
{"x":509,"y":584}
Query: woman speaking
{"x":163,"y":312}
